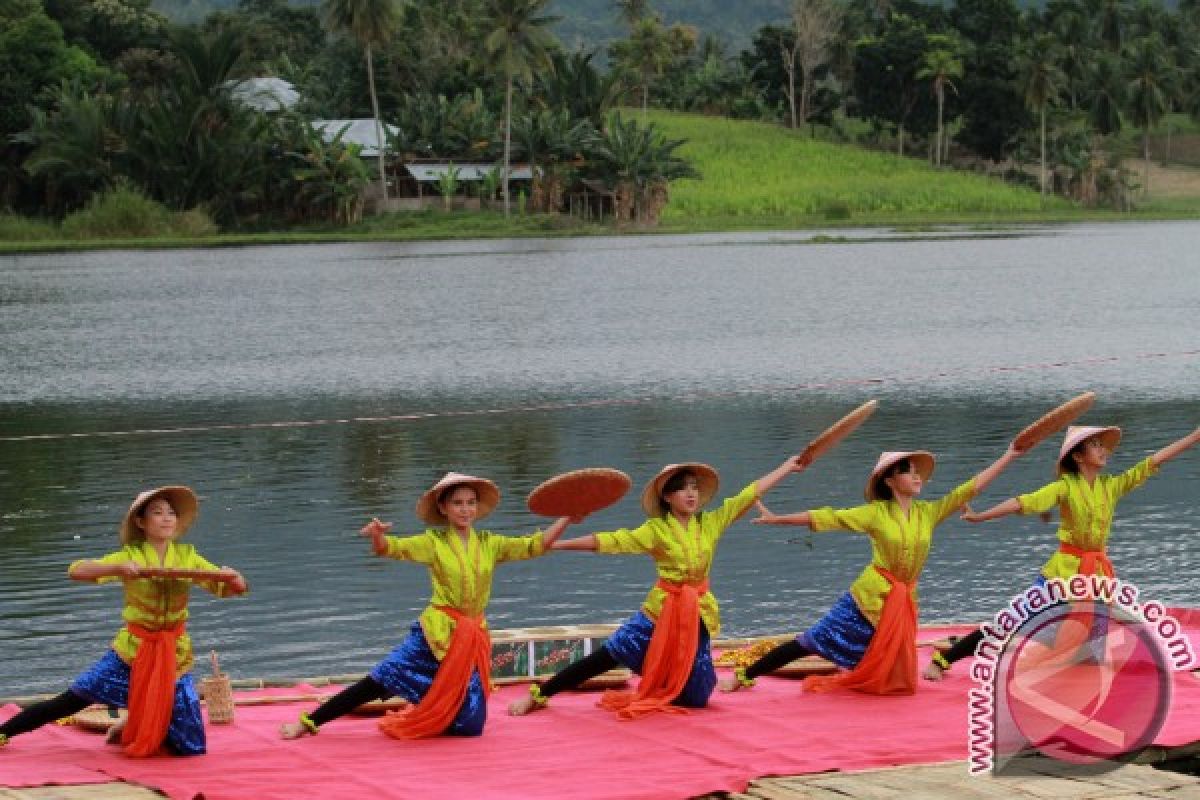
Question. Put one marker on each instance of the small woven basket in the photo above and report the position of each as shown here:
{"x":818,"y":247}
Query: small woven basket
{"x":217,"y":692}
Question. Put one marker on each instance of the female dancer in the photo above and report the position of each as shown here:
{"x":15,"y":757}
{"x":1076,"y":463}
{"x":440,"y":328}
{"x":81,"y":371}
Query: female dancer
{"x":871,"y":629}
{"x":443,"y":665}
{"x":148,"y":667}
{"x":667,"y":641}
{"x":1086,"y":500}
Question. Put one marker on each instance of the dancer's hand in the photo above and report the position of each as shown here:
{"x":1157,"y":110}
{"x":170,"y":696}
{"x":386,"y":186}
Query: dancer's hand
{"x":375,"y":531}
{"x":765,"y":515}
{"x":968,"y":515}
{"x":234,"y":580}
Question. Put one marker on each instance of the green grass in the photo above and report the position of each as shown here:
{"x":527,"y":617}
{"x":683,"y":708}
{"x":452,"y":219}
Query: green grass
{"x":760,"y":170}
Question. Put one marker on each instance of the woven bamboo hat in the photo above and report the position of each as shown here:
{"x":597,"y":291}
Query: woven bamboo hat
{"x":1110,"y":437}
{"x":706,"y":476}
{"x":922,"y":459}
{"x":181,"y":498}
{"x":488,"y":495}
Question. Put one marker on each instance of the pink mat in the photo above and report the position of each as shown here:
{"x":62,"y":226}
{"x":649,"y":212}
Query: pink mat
{"x":572,"y":749}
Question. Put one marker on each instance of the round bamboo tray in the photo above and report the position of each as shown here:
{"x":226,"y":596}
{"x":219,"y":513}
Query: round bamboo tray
{"x":613,"y":679}
{"x":837,"y":431}
{"x":579,"y":493}
{"x":98,"y":719}
{"x":377,"y":708}
{"x":1054,"y":421}
{"x":803,"y":667}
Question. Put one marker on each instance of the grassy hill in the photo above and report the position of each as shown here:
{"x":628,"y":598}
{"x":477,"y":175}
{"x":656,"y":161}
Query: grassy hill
{"x":754,"y":171}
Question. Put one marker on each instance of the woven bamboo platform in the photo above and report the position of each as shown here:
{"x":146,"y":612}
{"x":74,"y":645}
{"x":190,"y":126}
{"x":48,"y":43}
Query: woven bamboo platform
{"x":951,"y":780}
{"x":934,"y":781}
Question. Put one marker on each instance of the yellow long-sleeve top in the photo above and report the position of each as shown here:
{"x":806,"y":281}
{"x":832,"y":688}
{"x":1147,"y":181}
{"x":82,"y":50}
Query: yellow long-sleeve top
{"x":1086,"y":511}
{"x":157,"y":603}
{"x":681,"y":555}
{"x":460,"y":575}
{"x":899,"y":543}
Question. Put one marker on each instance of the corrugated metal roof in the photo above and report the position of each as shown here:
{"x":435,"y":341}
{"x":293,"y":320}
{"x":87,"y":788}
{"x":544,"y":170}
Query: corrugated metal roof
{"x":358,"y":131}
{"x":265,"y":94}
{"x":431,"y":173}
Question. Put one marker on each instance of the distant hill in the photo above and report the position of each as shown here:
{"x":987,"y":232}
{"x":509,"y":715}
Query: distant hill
{"x":594,"y":23}
{"x":586,"y":23}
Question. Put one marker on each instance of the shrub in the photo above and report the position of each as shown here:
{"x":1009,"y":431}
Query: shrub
{"x":14,"y":228}
{"x":117,"y":213}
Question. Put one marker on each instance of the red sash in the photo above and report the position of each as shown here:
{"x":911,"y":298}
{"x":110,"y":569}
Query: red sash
{"x":1091,"y":562}
{"x":151,"y":690}
{"x":470,"y":649}
{"x":669,"y":657}
{"x":890,"y":664}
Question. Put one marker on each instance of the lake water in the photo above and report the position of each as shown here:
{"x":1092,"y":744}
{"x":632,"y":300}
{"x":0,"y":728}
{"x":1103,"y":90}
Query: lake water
{"x":303,"y":389}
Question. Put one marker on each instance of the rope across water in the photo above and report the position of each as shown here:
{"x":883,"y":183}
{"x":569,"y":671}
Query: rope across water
{"x":600,"y":402}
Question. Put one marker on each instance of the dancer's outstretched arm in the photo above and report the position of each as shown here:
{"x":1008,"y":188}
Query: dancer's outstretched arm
{"x":578,"y":543}
{"x":768,"y":482}
{"x":1175,"y":448}
{"x":767,"y":517}
{"x":988,"y":475}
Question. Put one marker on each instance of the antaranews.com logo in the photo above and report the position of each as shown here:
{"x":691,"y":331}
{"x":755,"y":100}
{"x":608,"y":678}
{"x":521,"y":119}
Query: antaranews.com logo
{"x":1077,"y":670}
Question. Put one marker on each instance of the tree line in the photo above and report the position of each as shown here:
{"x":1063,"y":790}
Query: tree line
{"x":100,"y":94}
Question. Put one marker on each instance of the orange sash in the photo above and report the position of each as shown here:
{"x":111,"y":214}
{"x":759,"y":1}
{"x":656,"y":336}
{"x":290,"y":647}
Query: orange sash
{"x":1091,"y":562}
{"x":470,"y":649}
{"x":1075,"y":630}
{"x":669,"y":657}
{"x":151,"y":690}
{"x":889,"y":666}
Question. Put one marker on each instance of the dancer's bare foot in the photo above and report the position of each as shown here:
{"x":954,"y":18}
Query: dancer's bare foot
{"x":933,"y":672}
{"x":293,"y":730}
{"x":729,"y":684}
{"x":523,"y":705}
{"x":113,"y":736}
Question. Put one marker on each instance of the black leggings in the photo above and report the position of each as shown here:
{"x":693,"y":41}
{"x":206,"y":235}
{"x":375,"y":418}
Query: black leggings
{"x":585,"y":668}
{"x":964,"y":647}
{"x":39,"y":714}
{"x":782,"y":655}
{"x":348,"y":699}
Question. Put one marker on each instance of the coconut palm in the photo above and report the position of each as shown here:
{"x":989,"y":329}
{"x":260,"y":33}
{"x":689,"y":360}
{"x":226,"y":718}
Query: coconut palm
{"x":632,"y":11}
{"x":1150,"y":86}
{"x":941,"y":65}
{"x":518,"y":38}
{"x":370,"y":23}
{"x":646,"y":53}
{"x":1107,"y":94}
{"x":1042,"y":82}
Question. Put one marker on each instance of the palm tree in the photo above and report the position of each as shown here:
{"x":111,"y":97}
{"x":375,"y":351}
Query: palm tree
{"x":1107,"y":96}
{"x":369,"y":22}
{"x":1042,"y":82}
{"x":73,"y":146}
{"x":941,"y":65}
{"x":518,"y":38}
{"x":577,"y":86}
{"x":647,"y":52}
{"x":633,"y":11}
{"x":1150,"y":87}
{"x":638,"y":160}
